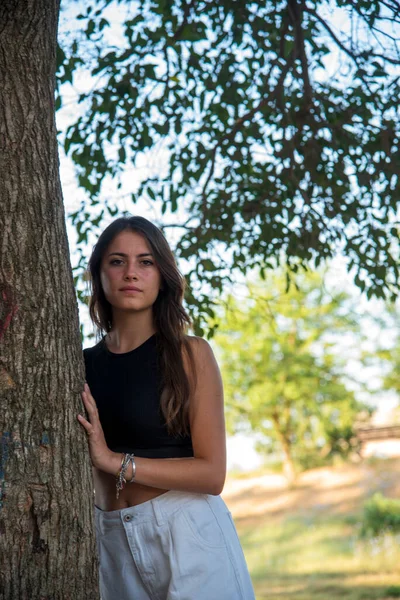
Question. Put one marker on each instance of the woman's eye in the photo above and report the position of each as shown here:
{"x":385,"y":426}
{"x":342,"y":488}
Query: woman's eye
{"x":118,"y":261}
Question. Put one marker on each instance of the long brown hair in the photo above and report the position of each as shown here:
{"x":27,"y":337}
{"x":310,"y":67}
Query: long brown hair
{"x":170,"y":318}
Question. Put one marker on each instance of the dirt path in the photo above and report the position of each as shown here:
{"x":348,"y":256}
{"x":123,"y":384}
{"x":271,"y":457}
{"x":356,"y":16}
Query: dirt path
{"x":335,"y":490}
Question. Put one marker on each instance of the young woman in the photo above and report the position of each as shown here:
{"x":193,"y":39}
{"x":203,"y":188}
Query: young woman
{"x":156,"y":431}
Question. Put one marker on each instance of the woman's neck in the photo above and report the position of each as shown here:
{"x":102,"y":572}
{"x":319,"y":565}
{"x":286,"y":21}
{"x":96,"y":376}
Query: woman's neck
{"x":130,"y":331}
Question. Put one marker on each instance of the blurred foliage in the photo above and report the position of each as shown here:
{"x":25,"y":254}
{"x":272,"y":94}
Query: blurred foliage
{"x":284,"y":379}
{"x":389,"y":354}
{"x":380,"y":515}
{"x":279,"y":130}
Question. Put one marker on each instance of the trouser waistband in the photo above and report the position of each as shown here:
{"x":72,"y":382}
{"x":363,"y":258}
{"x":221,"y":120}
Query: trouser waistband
{"x":158,"y":509}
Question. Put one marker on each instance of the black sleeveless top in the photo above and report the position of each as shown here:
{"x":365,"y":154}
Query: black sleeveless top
{"x":126,"y":388}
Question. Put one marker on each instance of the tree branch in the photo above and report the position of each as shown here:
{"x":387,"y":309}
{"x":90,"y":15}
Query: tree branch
{"x":332,"y":34}
{"x":186,"y":13}
{"x":296,"y":15}
{"x":240,"y":122}
{"x":350,"y":53}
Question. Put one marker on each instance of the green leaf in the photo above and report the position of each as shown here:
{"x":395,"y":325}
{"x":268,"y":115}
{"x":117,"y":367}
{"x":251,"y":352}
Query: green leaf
{"x":250,"y":153}
{"x":112,"y":211}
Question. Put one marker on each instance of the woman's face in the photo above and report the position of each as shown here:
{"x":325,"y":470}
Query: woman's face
{"x":129,"y":263}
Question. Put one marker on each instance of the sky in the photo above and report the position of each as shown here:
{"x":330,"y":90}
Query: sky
{"x":241,"y":453}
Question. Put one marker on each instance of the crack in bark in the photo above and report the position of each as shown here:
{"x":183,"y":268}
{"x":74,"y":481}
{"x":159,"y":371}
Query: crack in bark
{"x":38,"y":514}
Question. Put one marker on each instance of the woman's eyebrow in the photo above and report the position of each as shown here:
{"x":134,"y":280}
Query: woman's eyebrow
{"x":125,"y":255}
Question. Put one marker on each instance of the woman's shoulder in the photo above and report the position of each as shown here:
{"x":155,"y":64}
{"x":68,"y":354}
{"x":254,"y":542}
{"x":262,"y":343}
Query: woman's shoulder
{"x":92,"y":349}
{"x":200,"y":349}
{"x":198,"y":344}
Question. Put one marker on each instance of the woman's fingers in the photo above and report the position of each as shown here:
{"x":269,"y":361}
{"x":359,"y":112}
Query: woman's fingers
{"x":90,"y":403}
{"x":91,"y":407}
{"x":97,"y":444}
{"x":84,"y":422}
{"x":90,"y":398}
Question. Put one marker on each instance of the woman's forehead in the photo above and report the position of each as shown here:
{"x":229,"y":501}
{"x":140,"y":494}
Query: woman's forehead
{"x":129,"y":242}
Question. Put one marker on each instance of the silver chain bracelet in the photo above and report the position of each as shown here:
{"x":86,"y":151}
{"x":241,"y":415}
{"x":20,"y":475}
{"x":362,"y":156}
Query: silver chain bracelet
{"x":120,"y":476}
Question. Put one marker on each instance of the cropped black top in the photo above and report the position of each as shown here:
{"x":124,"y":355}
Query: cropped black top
{"x":126,"y":388}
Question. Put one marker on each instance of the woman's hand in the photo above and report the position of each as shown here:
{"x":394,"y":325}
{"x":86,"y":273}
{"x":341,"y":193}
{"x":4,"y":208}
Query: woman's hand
{"x":99,"y":451}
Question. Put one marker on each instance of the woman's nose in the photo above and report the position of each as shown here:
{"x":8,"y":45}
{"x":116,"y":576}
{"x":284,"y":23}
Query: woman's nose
{"x":130,"y":272}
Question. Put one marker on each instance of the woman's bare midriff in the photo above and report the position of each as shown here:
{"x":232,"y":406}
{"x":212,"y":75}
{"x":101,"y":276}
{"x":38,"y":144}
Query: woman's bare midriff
{"x":132,"y":494}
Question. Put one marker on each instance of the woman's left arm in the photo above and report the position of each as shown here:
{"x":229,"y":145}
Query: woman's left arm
{"x":205,"y":472}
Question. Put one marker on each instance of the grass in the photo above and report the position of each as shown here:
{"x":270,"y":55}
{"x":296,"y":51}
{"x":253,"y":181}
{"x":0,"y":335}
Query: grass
{"x":323,"y":559}
{"x":309,"y":554}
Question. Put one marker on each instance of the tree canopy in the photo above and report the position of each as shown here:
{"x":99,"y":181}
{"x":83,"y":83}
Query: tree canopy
{"x":284,"y":379}
{"x":277,"y":122}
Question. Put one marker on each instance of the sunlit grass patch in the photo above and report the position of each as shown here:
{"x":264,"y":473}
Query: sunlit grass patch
{"x":322,"y":558}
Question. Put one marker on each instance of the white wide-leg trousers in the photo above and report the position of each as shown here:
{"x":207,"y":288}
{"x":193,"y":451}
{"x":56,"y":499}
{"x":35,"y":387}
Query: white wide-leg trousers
{"x":178,"y":546}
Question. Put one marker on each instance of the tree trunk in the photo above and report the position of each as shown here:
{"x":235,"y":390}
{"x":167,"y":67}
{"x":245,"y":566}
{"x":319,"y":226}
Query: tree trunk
{"x":47,"y":544}
{"x":289,"y":470}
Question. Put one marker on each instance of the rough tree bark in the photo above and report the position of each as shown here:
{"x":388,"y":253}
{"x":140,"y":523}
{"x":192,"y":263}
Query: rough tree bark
{"x":47,"y":544}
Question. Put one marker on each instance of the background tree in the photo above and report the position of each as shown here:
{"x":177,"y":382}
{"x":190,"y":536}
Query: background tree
{"x":283,"y":378}
{"x":278,"y":124}
{"x":47,"y":545}
{"x":389,"y":352}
